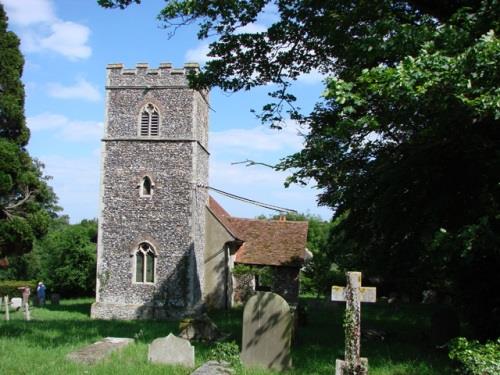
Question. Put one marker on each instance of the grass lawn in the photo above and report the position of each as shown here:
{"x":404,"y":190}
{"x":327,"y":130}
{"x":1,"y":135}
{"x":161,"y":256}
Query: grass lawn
{"x":40,"y":346}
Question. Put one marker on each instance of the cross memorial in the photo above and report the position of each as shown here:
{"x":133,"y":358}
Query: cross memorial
{"x":353,"y":294}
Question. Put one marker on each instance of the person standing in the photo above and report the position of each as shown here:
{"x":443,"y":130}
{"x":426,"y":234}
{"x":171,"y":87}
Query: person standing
{"x":40,"y":292}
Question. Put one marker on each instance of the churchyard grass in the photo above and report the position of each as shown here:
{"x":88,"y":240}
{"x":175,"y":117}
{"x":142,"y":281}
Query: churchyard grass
{"x":41,"y":345}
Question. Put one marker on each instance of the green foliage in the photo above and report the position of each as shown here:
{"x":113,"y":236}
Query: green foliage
{"x":12,"y":122}
{"x":26,"y":201}
{"x":226,"y":352}
{"x":476,"y":358}
{"x":264,"y":273}
{"x":11,"y":287}
{"x":405,"y":143}
{"x":65,"y":259}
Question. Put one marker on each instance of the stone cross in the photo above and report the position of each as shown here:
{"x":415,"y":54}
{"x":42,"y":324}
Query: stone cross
{"x":353,"y":294}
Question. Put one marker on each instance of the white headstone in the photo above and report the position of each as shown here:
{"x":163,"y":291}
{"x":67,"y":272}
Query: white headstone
{"x":16,"y":303}
{"x":171,"y":350}
{"x":267,"y":332}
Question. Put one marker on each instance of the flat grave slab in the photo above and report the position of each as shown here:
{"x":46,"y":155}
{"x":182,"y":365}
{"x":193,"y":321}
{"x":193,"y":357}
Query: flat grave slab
{"x":99,"y":350}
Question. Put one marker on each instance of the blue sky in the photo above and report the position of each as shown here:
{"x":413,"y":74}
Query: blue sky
{"x":67,"y":45}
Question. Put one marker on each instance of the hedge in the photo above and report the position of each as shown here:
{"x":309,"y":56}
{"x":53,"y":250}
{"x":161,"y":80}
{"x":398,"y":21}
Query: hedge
{"x":476,"y":358}
{"x":10,"y":287}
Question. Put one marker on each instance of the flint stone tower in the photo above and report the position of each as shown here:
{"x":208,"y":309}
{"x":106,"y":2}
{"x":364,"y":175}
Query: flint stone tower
{"x":154,"y":167}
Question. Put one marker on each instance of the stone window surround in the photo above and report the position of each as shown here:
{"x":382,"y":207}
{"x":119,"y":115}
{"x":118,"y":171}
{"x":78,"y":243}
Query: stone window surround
{"x":140,"y":185}
{"x":143,"y":107}
{"x":133,"y":252}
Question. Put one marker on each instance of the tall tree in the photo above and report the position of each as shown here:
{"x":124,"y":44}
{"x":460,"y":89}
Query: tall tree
{"x":26,"y":201}
{"x":405,"y":143}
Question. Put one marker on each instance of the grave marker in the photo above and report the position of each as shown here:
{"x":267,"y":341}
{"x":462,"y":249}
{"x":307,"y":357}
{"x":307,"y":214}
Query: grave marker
{"x":16,"y":303}
{"x":7,"y":311}
{"x":171,"y":350}
{"x":267,"y":332}
{"x":353,"y":294}
{"x":99,"y":350}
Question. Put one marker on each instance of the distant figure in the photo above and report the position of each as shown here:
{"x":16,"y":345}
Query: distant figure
{"x":40,"y":292}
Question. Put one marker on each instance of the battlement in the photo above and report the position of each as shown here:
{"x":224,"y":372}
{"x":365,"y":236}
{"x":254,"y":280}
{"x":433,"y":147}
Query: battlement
{"x":143,"y":75}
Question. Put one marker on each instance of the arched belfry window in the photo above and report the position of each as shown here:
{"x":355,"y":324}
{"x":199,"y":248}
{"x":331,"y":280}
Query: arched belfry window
{"x":144,"y":263}
{"x":146,"y":187}
{"x":150,"y":121}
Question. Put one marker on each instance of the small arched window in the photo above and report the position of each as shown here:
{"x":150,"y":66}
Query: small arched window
{"x":146,"y":187}
{"x":150,"y":121}
{"x":144,"y":263}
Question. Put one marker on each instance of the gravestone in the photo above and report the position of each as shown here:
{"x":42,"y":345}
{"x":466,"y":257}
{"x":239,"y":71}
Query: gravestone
{"x":98,"y":350}
{"x":6,"y":304}
{"x":267,"y":332}
{"x":171,"y":350}
{"x":353,"y":294}
{"x":16,"y":303}
{"x":214,"y":368}
{"x":201,"y":328}
{"x":55,"y":298}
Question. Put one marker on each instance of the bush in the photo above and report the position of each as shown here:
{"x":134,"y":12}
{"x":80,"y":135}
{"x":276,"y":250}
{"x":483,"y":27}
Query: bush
{"x":66,"y":259}
{"x":475,"y":358}
{"x":226,"y":352}
{"x":10,"y":287}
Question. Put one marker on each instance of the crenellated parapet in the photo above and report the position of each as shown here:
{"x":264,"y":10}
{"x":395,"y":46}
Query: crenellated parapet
{"x":142,"y":75}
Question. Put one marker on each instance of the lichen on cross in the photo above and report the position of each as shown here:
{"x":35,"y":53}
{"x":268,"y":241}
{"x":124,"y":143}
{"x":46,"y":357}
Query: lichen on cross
{"x":353,"y":294}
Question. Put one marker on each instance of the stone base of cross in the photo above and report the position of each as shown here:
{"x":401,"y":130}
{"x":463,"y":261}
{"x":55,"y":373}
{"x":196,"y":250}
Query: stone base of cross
{"x":341,"y":367}
{"x":353,"y":294}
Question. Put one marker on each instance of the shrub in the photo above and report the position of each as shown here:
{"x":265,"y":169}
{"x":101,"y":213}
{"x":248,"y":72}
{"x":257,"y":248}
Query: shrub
{"x":226,"y":352}
{"x":475,"y":358}
{"x":10,"y":287}
{"x":67,"y":259}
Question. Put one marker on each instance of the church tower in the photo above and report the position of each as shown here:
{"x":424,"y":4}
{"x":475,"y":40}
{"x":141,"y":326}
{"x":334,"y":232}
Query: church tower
{"x":154,"y":169}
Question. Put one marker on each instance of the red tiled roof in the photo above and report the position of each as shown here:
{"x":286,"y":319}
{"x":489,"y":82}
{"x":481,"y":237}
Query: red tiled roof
{"x":266,"y":242}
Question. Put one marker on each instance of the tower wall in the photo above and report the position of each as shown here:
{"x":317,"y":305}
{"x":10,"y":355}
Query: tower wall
{"x":172,"y":218}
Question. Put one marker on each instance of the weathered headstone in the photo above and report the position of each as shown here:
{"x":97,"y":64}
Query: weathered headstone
{"x":214,"y":368}
{"x":98,"y":350}
{"x":16,"y":303}
{"x":201,"y":328}
{"x":6,"y":304}
{"x":353,"y":294}
{"x":267,"y":332}
{"x":54,"y":298}
{"x":171,"y":350}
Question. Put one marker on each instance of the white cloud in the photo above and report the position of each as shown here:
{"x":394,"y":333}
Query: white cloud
{"x":40,"y":29}
{"x":82,"y":89}
{"x":70,"y":130}
{"x":29,"y":12}
{"x":251,"y":28}
{"x":311,"y":78}
{"x":76,"y":183}
{"x":69,"y":39}
{"x":258,"y":139}
{"x":198,"y":54}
